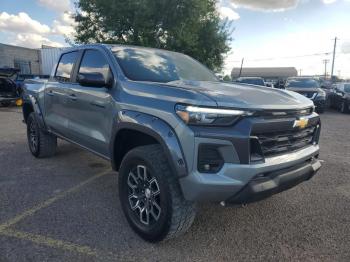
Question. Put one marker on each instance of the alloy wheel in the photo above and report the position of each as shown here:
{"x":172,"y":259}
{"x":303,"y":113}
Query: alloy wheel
{"x":144,"y":195}
{"x":33,"y":137}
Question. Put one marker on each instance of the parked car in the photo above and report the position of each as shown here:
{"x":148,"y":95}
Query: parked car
{"x":9,"y":92}
{"x":176,"y":134}
{"x":310,"y":88}
{"x":258,"y":81}
{"x":339,"y":97}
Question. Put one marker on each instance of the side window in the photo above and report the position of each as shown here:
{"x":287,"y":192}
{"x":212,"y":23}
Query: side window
{"x":94,"y":62}
{"x":65,"y":66}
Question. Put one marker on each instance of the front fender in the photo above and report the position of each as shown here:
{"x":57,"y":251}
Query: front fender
{"x":34,"y":104}
{"x":159,"y":130}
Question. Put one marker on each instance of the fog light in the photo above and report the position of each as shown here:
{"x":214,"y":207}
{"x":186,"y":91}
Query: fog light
{"x":19,"y":102}
{"x":206,"y":167}
{"x":209,"y":159}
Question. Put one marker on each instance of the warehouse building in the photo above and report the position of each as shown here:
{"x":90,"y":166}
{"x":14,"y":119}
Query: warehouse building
{"x":29,"y":61}
{"x":268,"y":73}
{"x":25,"y":59}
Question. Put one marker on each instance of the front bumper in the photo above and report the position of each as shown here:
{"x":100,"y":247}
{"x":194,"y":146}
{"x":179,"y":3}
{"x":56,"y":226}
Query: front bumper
{"x":272,"y":183}
{"x":249,"y":182}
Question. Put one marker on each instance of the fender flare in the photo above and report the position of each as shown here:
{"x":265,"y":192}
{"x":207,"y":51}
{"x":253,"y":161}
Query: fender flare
{"x":31,"y":100}
{"x":157,"y":129}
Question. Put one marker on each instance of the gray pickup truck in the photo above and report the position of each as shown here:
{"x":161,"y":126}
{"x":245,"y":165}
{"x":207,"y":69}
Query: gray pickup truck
{"x":174,"y":132}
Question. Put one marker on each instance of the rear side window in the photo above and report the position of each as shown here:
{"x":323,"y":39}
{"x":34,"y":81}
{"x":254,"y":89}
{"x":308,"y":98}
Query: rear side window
{"x":65,"y":66}
{"x":94,"y":62}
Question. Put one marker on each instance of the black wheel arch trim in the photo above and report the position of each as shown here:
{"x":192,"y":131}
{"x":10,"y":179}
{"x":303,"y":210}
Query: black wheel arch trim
{"x":32,"y":101}
{"x":157,"y":129}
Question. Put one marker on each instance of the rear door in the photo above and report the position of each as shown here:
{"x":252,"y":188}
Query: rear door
{"x":56,"y":95}
{"x":90,"y":118}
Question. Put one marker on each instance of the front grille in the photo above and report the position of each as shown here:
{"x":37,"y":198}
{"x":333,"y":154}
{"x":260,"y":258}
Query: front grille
{"x":274,"y":143}
{"x":285,"y":113}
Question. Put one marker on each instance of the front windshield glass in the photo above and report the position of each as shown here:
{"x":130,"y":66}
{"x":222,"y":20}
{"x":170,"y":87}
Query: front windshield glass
{"x":302,"y":83}
{"x":154,"y":65}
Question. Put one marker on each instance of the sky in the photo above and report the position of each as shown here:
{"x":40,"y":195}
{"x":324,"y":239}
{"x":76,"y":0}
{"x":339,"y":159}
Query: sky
{"x":297,"y":33}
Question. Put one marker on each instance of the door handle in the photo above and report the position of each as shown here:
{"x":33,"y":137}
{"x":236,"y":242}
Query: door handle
{"x":97,"y":104}
{"x":73,"y":97}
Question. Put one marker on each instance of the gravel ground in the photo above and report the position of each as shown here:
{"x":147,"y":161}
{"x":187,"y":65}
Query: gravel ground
{"x":41,"y":221}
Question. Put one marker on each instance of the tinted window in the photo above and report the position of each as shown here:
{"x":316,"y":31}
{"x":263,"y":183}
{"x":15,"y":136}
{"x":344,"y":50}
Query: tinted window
{"x":347,"y":88}
{"x":65,"y":66}
{"x":94,"y":62}
{"x":253,"y":81}
{"x":160,"y":66}
{"x":302,"y":83}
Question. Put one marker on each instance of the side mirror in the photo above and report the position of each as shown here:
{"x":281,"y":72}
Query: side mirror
{"x":92,"y":79}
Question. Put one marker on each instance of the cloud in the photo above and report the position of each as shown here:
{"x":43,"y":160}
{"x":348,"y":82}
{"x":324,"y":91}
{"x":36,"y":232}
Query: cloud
{"x":21,"y":23}
{"x":34,"y":41}
{"x":328,"y":1}
{"x":345,"y":48}
{"x":228,"y":13}
{"x":64,"y":25}
{"x":25,"y":31}
{"x":56,"y":5}
{"x":266,"y":5}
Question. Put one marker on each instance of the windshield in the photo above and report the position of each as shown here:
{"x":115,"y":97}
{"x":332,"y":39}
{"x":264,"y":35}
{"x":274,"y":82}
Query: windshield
{"x":253,"y":81}
{"x":302,"y":83}
{"x":347,"y":88}
{"x":154,"y":65}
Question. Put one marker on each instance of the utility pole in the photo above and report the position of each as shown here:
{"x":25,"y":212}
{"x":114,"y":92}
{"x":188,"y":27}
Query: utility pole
{"x":240,"y":71}
{"x":325,"y":61}
{"x":335,"y":46}
{"x":300,"y":70}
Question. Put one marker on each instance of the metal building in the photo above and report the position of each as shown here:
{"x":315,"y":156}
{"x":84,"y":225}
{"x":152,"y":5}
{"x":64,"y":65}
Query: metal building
{"x":270,"y":73}
{"x":49,"y":56}
{"x":25,"y":59}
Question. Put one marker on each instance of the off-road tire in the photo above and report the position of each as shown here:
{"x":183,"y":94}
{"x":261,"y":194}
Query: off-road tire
{"x":46,"y":143}
{"x":177,"y":214}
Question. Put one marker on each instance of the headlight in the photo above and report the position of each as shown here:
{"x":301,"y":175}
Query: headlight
{"x":194,"y":115}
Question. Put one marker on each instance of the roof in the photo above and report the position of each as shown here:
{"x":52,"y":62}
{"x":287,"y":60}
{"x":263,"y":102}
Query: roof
{"x":266,"y":72}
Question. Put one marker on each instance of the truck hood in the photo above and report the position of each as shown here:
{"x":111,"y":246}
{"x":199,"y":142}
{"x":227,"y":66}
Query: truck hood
{"x":235,"y":95}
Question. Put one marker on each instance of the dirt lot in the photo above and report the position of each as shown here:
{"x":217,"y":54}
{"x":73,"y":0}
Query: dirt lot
{"x":66,"y":208}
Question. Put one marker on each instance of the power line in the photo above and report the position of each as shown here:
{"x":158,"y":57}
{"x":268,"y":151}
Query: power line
{"x":285,"y":57}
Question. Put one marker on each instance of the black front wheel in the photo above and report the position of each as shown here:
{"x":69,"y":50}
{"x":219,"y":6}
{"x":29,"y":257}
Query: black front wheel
{"x":151,"y":197}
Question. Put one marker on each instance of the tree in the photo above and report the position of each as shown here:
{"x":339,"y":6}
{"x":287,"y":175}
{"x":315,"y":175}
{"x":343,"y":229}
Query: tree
{"x":227,"y":78}
{"x":192,"y":27}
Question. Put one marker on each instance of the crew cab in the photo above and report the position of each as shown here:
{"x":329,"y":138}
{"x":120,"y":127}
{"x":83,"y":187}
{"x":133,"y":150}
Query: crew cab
{"x":174,"y":132}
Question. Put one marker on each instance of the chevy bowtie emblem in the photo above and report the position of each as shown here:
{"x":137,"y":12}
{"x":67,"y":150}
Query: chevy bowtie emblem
{"x":301,"y":123}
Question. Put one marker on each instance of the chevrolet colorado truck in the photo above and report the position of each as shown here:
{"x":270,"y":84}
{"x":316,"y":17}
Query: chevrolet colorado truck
{"x":174,"y":132}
